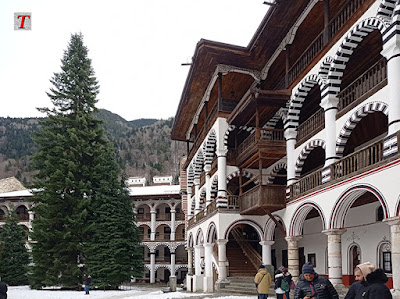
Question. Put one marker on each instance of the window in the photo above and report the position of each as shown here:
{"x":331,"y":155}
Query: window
{"x":387,"y":261}
{"x":379,"y":214}
{"x":312,"y":259}
{"x":140,"y":211}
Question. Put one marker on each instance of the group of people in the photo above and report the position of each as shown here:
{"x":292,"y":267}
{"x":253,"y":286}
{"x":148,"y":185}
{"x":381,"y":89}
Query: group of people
{"x":370,"y":284}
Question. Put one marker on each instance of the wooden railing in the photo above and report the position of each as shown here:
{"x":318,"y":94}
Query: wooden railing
{"x":143,"y":217}
{"x":307,"y":183}
{"x":357,"y":161}
{"x":344,"y":15}
{"x":179,"y":216}
{"x":369,"y":82}
{"x":248,"y":142}
{"x":262,"y":195}
{"x":23,"y":217}
{"x":211,"y":207}
{"x":233,"y":202}
{"x":261,"y":134}
{"x":163,"y":217}
{"x":311,"y":126}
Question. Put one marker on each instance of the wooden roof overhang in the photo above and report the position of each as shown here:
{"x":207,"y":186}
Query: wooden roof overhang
{"x":209,"y":54}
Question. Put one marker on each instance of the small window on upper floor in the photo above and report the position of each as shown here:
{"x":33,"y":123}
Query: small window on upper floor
{"x":379,"y":214}
{"x":140,"y":211}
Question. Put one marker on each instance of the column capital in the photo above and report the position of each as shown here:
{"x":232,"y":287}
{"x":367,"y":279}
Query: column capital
{"x":208,"y":245}
{"x":334,"y":231}
{"x":329,"y":102}
{"x":392,"y":220}
{"x":196,"y":182}
{"x":221,"y":152}
{"x":290,"y":133}
{"x":268,"y":243}
{"x":173,"y":211}
{"x":197,"y":246}
{"x":222,"y":241}
{"x":153,"y":211}
{"x":293,"y":238}
{"x":172,"y":251}
{"x":207,"y":168}
{"x":391,"y":48}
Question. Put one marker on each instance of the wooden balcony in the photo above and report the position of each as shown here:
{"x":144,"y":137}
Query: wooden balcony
{"x":268,"y":142}
{"x":143,"y":217}
{"x":261,"y":198}
{"x":354,"y":164}
{"x":363,"y":87}
{"x":23,"y":217}
{"x":310,"y":127}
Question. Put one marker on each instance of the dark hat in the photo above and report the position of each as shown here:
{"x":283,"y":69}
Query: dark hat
{"x":308,"y":268}
{"x":262,"y":266}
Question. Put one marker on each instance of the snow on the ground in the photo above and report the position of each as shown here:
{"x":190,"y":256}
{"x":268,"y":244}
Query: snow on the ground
{"x":24,"y":292}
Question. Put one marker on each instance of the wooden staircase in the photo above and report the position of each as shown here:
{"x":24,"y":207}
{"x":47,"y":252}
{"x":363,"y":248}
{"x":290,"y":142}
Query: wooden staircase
{"x":239,"y":263}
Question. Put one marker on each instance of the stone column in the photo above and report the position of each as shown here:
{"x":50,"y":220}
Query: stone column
{"x":290,"y":136}
{"x":190,"y":261}
{"x":222,"y":201}
{"x":31,"y":217}
{"x":208,"y":277}
{"x":330,"y":106}
{"x":391,"y":50}
{"x":172,"y":238}
{"x":197,"y":195}
{"x":394,"y":223}
{"x":207,"y":169}
{"x":266,"y":252}
{"x":153,"y":225}
{"x":293,"y":256}
{"x":198,"y":277}
{"x":222,"y":263}
{"x":152,"y":267}
{"x":335,"y":255}
{"x":172,"y":278}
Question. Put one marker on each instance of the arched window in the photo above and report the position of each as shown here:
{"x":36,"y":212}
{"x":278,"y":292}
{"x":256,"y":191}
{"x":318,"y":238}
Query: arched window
{"x":385,"y":256}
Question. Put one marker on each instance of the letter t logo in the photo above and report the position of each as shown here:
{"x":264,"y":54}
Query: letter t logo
{"x":22,"y":20}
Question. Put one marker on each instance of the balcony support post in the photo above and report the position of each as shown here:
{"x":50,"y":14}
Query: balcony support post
{"x":391,"y":50}
{"x":290,"y":136}
{"x":172,"y":278}
{"x":197,"y":195}
{"x":293,"y":256}
{"x":207,"y":169}
{"x":335,"y":255}
{"x":189,"y":202}
{"x":222,"y":264}
{"x":208,"y":278}
{"x":152,"y":266}
{"x":153,"y":213}
{"x":222,"y":201}
{"x":266,"y":252}
{"x":173,"y":213}
{"x":198,"y":277}
{"x":394,"y":224}
{"x":190,"y":261}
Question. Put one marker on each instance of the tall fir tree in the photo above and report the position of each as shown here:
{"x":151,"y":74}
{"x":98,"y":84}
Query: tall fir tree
{"x":74,"y":160}
{"x":14,"y":258}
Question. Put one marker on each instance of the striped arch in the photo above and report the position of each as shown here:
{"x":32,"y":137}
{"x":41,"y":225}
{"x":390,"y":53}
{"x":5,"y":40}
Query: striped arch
{"x":270,"y":228}
{"x":304,"y":153}
{"x":324,"y":67}
{"x":190,"y":242}
{"x":147,"y":266}
{"x":209,"y":147}
{"x":214,"y":186}
{"x":226,"y":135}
{"x":346,"y":200}
{"x":210,"y":232}
{"x":190,"y":176}
{"x":354,"y":119}
{"x":346,"y":49}
{"x":275,"y":170}
{"x":198,"y":164}
{"x":202,"y":197}
{"x":298,"y":218}
{"x":385,"y":10}
{"x":199,"y":237}
{"x":252,"y":223}
{"x":245,"y":173}
{"x":297,"y":100}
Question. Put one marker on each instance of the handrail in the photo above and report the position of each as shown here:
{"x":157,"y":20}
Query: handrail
{"x":309,"y":126}
{"x":248,"y":250}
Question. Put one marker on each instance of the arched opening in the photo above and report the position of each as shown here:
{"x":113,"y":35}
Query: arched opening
{"x":22,"y":213}
{"x":146,"y":254}
{"x":163,"y":212}
{"x":233,"y":186}
{"x":315,"y":160}
{"x":179,"y":214}
{"x":3,"y":214}
{"x":354,"y":258}
{"x":180,"y":232}
{"x":181,"y":275}
{"x":144,"y":232}
{"x":279,"y":252}
{"x":280,"y":177}
{"x":163,"y":254}
{"x":385,"y":256}
{"x":143,"y":213}
{"x":310,"y":104}
{"x":163,"y":232}
{"x":243,"y":241}
{"x":181,"y":256}
{"x":371,"y":128}
{"x":162,"y":274}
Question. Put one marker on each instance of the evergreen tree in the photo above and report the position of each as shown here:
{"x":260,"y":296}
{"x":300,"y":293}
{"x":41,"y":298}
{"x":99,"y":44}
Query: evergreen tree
{"x":14,"y":257}
{"x":73,"y":159}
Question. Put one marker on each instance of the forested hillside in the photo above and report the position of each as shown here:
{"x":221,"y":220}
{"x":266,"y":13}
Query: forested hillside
{"x":144,"y":146}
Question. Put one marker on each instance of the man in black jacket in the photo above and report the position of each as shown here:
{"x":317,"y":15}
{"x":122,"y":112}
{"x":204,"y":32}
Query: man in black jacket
{"x":370,"y":283}
{"x":311,"y":285}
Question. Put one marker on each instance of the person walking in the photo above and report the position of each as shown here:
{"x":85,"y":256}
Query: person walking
{"x":88,"y":281}
{"x":370,"y":283}
{"x":283,"y":280}
{"x":311,"y":285}
{"x":263,"y":282}
{"x":3,"y":290}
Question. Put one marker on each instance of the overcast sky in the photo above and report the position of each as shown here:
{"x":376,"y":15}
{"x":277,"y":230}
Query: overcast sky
{"x":136,"y":48}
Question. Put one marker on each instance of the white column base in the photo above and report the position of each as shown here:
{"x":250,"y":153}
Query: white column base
{"x":198,"y":283}
{"x":395,"y":293}
{"x":208,"y":285}
{"x":189,"y":282}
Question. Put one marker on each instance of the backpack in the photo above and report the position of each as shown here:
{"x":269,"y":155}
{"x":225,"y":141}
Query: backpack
{"x":284,"y":285}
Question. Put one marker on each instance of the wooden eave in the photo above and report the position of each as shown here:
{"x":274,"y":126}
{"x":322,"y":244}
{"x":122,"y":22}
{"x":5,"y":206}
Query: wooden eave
{"x":208,"y":54}
{"x":267,"y":102}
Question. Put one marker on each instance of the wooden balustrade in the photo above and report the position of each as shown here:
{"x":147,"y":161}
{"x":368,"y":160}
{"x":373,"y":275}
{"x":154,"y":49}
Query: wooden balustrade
{"x":211,"y":207}
{"x":23,"y":217}
{"x":233,"y":202}
{"x":311,"y":126}
{"x":307,"y":183}
{"x":143,"y":217}
{"x":179,"y":216}
{"x":368,"y":83}
{"x":272,"y":134}
{"x":344,"y":15}
{"x":357,"y":161}
{"x":271,"y":197}
{"x":248,"y":142}
{"x":163,"y":217}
